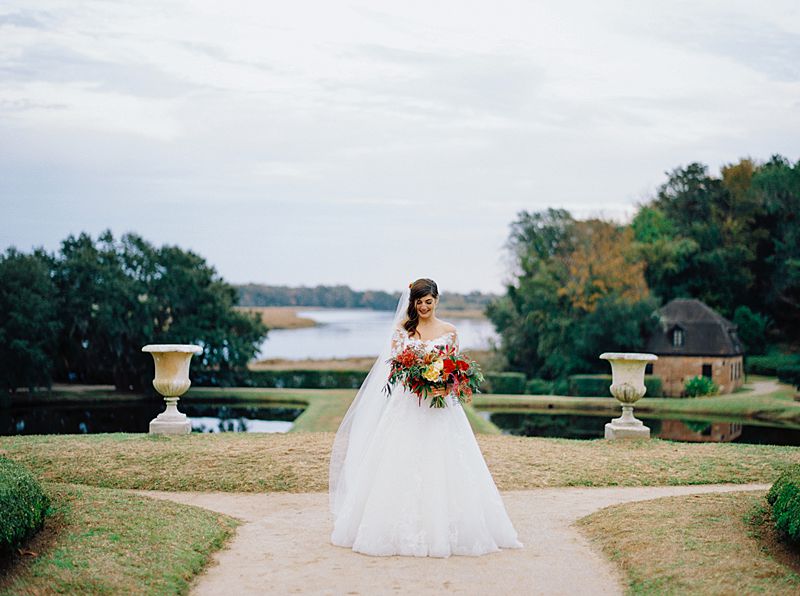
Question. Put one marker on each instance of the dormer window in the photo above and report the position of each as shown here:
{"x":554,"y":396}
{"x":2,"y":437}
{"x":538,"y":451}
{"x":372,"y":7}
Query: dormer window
{"x":677,"y":337}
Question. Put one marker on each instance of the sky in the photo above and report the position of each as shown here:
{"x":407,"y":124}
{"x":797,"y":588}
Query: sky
{"x":371,"y":143}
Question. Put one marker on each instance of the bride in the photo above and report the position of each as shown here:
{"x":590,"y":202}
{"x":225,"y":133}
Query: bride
{"x":408,"y":479}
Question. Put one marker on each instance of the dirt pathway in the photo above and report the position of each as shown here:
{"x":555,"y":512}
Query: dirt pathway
{"x":283,"y":548}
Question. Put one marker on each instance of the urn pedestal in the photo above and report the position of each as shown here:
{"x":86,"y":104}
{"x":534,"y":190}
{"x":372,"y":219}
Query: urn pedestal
{"x":171,"y":380}
{"x":627,"y":385}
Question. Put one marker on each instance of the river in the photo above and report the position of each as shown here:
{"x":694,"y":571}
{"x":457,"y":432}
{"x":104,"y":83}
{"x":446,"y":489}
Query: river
{"x":352,"y":332}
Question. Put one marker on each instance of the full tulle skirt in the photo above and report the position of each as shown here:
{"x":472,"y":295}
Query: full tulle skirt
{"x":422,"y":488}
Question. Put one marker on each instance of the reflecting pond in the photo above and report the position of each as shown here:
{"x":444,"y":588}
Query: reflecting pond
{"x":592,"y":426}
{"x":135,"y":417}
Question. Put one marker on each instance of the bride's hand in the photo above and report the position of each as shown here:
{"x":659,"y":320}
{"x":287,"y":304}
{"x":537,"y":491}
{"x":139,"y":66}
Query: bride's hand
{"x":439,"y":392}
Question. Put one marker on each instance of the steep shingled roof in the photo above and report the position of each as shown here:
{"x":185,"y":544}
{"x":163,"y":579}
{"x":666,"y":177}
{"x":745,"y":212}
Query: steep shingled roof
{"x":705,"y":332}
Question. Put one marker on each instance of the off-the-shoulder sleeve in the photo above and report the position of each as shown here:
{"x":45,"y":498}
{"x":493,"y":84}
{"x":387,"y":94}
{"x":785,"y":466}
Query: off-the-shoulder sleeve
{"x":398,"y":341}
{"x":455,"y":341}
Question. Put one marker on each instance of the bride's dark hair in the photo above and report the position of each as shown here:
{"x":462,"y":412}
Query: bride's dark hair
{"x":419,"y":289}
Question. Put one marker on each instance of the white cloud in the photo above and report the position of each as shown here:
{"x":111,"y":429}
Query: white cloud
{"x":372,"y":128}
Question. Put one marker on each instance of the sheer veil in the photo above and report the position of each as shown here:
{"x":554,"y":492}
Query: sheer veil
{"x":358,"y":425}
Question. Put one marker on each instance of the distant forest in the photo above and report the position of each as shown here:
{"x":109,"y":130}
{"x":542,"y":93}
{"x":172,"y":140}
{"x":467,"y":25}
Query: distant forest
{"x":345,"y":297}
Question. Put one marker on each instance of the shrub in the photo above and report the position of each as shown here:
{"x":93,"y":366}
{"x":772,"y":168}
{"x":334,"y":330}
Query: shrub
{"x":790,"y":374}
{"x":697,"y":386}
{"x":598,"y":386}
{"x":561,"y":387}
{"x":23,"y":504}
{"x":538,"y":387}
{"x":784,"y":497}
{"x":769,"y":365}
{"x":504,"y":382}
{"x":284,"y":379}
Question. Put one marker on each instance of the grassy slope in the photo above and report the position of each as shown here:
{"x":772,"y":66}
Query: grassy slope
{"x":101,"y":541}
{"x":700,"y":544}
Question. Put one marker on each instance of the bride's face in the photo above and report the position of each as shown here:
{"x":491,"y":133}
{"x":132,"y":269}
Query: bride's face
{"x":426,"y":306}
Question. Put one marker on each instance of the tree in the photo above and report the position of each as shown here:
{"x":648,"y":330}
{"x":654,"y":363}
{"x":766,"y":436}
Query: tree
{"x":578,"y":291}
{"x":117,"y":296}
{"x":29,"y":320}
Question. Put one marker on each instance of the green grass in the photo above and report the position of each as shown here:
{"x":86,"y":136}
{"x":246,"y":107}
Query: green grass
{"x":699,"y":544}
{"x":101,"y":541}
{"x":298,"y":462}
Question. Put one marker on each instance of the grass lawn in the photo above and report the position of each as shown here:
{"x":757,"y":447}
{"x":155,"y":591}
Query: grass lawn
{"x":298,"y":462}
{"x":699,"y":544}
{"x":102,"y":541}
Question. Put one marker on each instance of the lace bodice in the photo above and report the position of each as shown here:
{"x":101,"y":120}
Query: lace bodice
{"x":400,"y":340}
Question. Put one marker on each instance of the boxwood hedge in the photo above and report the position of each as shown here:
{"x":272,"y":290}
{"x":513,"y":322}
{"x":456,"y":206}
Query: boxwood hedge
{"x":23,"y":504}
{"x":598,"y":385}
{"x":784,"y":496}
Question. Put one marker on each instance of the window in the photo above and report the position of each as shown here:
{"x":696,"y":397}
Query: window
{"x":707,"y":371}
{"x":677,"y":337}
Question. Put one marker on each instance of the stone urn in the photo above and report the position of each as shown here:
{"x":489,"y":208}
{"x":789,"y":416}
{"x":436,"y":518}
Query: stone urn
{"x":171,"y":381}
{"x":627,"y":385}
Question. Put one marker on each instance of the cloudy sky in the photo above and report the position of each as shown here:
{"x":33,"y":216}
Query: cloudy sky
{"x":368,"y":143}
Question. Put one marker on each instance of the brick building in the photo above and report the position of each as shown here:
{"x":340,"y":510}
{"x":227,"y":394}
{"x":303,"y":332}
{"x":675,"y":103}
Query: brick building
{"x":695,"y":341}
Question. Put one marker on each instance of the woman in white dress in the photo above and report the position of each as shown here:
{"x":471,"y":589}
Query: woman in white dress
{"x":408,"y":479}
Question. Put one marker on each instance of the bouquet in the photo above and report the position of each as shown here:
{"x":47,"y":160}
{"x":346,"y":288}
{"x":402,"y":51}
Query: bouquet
{"x":423,"y":370}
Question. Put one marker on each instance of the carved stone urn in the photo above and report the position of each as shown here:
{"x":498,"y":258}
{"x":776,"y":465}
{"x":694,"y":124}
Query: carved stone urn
{"x":171,"y":381}
{"x":627,"y":385}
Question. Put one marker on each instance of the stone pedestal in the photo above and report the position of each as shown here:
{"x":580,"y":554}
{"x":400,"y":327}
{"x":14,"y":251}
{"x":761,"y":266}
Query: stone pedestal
{"x":171,"y":381}
{"x":170,"y":421}
{"x":627,"y":426}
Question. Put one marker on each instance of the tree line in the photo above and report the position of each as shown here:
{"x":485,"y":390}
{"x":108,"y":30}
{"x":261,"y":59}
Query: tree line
{"x":342,"y":296}
{"x":83,"y":314}
{"x":584,"y":287}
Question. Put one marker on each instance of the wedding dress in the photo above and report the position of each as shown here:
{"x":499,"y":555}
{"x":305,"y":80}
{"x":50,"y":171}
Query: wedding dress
{"x":408,"y":479}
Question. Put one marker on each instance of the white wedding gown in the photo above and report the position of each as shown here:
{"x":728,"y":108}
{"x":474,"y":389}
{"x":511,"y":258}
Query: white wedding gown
{"x":422,"y":487}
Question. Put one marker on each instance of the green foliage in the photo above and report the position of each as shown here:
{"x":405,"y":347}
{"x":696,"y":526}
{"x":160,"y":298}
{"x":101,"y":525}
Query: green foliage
{"x":538,"y":387}
{"x":768,"y":365}
{"x":752,"y":329}
{"x":731,"y":241}
{"x":23,"y":505}
{"x":784,"y":496}
{"x":305,"y":379}
{"x":566,"y":306}
{"x":116,"y":296}
{"x":29,"y":323}
{"x":697,"y":386}
{"x":790,"y":373}
{"x":599,"y":386}
{"x":506,"y":383}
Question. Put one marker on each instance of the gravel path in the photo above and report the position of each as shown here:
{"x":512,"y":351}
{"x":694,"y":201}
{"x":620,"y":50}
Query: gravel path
{"x":283,"y":548}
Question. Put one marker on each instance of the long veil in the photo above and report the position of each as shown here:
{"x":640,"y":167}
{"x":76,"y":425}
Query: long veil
{"x":358,"y":425}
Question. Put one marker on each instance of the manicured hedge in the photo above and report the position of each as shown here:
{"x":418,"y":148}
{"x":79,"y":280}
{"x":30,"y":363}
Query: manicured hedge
{"x":790,"y":374}
{"x":283,"y":379}
{"x":538,"y":387}
{"x":504,"y":383}
{"x":23,"y":505}
{"x":784,"y":496}
{"x":769,"y":365}
{"x":598,"y":386}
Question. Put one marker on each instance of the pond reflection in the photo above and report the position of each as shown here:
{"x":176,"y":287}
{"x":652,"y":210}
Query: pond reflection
{"x":591,"y":426}
{"x":135,"y":417}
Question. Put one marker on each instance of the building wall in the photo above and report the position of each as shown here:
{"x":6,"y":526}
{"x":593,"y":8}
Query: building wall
{"x":727,"y":372}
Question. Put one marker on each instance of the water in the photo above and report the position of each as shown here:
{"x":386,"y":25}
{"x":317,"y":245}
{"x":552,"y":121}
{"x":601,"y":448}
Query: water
{"x":352,"y":332}
{"x":135,"y":417}
{"x":591,"y":426}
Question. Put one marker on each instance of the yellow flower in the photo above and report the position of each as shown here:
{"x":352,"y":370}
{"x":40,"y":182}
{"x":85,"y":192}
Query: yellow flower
{"x":432,"y":373}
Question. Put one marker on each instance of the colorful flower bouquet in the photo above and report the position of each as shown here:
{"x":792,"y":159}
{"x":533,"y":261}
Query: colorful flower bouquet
{"x":423,"y":371}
